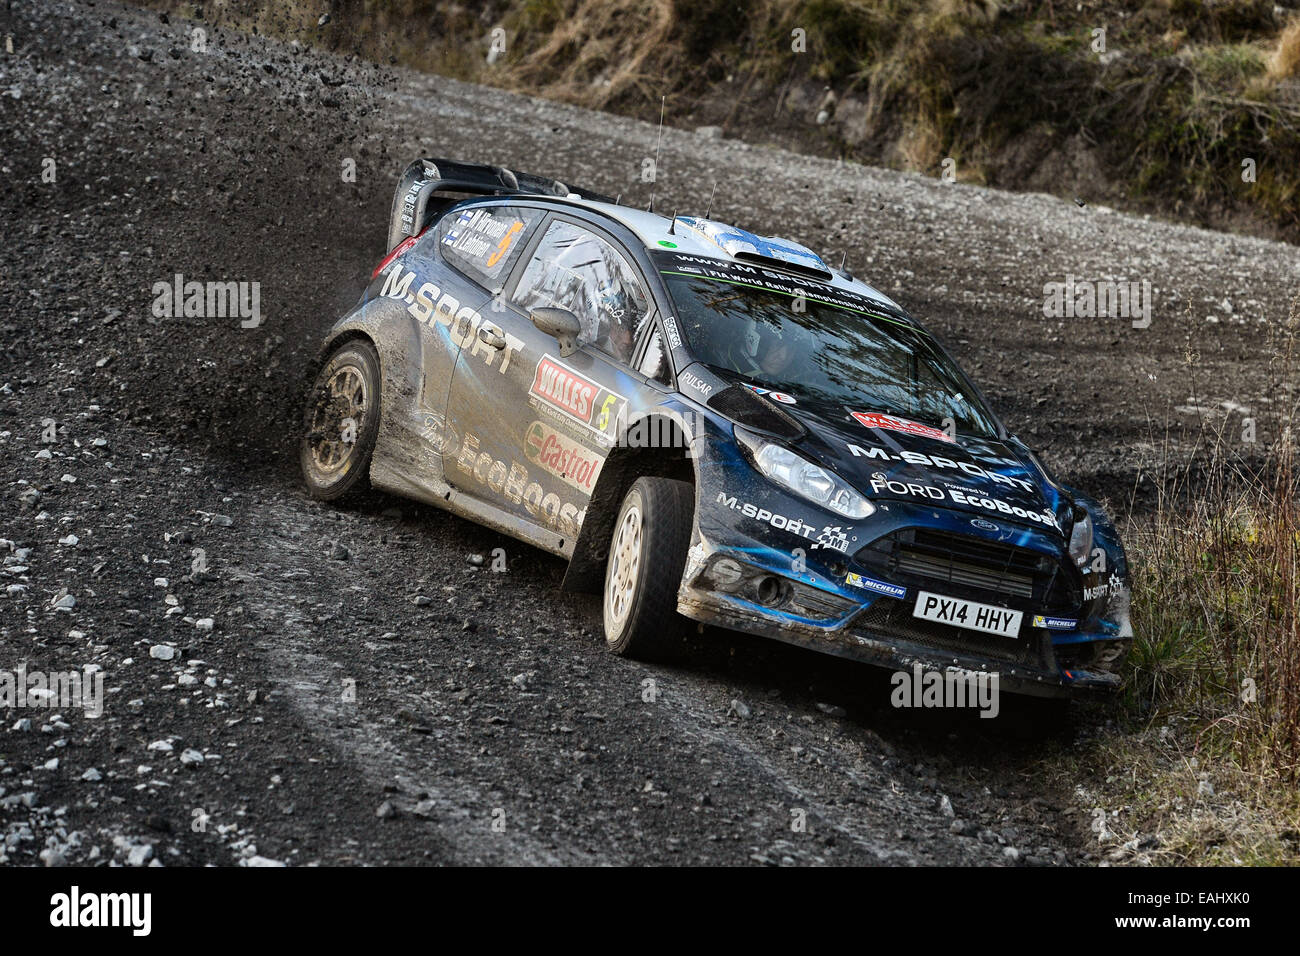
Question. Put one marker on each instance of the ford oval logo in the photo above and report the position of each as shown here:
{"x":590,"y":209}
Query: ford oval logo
{"x":984,"y":525}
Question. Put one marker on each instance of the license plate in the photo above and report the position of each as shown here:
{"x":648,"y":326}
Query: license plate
{"x":968,"y":614}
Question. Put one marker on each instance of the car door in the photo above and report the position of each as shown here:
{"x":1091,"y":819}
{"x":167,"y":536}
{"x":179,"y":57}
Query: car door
{"x":535,"y":431}
{"x":478,"y":245}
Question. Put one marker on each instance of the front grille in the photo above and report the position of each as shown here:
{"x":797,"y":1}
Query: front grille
{"x":952,"y":571}
{"x":935,"y":560}
{"x":893,"y":620}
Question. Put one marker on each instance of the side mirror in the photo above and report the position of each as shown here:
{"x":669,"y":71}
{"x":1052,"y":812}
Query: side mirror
{"x":560,"y":324}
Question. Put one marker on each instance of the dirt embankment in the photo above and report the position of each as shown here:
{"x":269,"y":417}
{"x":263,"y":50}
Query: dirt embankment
{"x":1186,"y":109}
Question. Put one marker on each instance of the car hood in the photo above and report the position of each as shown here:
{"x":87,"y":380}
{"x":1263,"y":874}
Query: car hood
{"x":887,"y":457}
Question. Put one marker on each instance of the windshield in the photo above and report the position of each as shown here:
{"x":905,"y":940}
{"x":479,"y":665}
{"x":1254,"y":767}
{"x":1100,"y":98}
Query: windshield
{"x":817,"y":344}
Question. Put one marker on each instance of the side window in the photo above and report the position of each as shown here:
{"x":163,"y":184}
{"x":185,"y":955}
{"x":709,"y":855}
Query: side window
{"x":484,"y":242}
{"x":576,"y":270}
{"x":654,"y":363}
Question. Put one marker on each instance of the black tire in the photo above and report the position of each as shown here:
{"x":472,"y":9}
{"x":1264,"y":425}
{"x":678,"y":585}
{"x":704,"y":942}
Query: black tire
{"x":346,"y":388}
{"x":641,"y":619}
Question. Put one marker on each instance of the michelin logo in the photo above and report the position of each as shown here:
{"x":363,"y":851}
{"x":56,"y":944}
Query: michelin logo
{"x":870,"y":584}
{"x":1055,"y":623}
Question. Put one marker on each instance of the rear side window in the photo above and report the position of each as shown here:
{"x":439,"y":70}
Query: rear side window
{"x":576,"y":270}
{"x":654,"y":363}
{"x":484,"y":242}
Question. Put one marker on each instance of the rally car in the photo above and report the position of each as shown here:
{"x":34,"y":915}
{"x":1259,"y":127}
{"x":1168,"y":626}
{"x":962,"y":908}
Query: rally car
{"x":709,"y":426}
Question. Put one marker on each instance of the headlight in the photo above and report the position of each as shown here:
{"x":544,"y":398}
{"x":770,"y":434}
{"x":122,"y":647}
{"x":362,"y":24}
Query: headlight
{"x":795,"y":473}
{"x":1081,"y":537}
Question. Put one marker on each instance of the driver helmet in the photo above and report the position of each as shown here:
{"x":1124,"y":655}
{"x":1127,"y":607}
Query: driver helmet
{"x":612,"y":299}
{"x":759,"y":339}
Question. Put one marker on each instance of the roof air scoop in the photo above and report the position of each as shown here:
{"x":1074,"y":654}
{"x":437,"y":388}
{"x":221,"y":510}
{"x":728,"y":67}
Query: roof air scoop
{"x":768,"y":250}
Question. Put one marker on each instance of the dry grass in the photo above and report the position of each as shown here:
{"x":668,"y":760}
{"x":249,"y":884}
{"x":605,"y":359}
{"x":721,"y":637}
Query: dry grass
{"x":1285,"y":61}
{"x":1204,"y":765}
{"x":1217,"y":597}
{"x":1202,"y":769}
{"x":602,"y":51}
{"x":1217,"y":605}
{"x":921,"y":147}
{"x":1160,"y":796}
{"x":979,"y":11}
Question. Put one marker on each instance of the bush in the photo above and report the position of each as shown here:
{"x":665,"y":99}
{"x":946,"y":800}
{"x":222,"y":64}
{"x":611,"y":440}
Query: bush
{"x":1217,"y":598}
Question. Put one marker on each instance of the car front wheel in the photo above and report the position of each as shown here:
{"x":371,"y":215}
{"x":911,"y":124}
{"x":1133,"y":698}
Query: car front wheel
{"x":646,"y":556}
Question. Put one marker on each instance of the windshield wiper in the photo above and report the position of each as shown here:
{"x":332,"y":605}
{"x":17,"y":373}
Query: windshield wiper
{"x":927,"y":421}
{"x":888,"y":410}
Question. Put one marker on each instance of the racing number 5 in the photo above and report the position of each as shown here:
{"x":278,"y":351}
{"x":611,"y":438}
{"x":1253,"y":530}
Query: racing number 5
{"x":603,"y":422}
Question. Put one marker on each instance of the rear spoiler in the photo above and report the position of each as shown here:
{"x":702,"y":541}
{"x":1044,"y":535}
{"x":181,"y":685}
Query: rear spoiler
{"x":424,"y":179}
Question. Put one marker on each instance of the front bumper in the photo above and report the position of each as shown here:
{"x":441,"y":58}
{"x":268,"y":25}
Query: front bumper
{"x":751,"y":587}
{"x":848,"y":638}
{"x":765,"y":562}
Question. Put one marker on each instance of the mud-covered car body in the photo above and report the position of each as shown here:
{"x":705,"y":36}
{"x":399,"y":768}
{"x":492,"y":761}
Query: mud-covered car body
{"x":486,"y":415}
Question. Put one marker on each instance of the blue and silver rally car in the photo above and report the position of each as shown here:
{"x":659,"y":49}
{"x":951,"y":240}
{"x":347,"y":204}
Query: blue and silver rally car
{"x":710,"y":426}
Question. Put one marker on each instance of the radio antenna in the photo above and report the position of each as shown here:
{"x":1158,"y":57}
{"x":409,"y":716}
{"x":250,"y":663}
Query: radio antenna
{"x":672,"y":222}
{"x":663,"y":104}
{"x":709,"y":209}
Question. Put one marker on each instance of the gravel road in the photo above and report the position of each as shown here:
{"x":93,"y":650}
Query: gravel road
{"x":285,"y":682}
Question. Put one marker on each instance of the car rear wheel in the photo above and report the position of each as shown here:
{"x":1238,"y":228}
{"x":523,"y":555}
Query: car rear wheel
{"x":646,"y":556}
{"x":341,"y":422}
